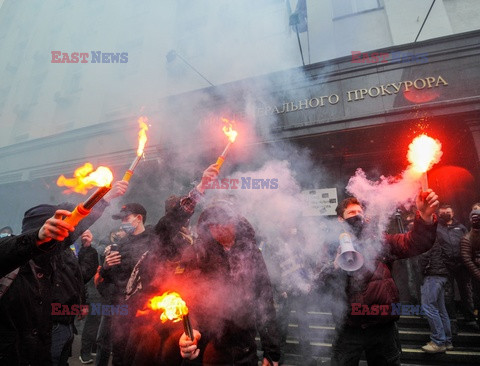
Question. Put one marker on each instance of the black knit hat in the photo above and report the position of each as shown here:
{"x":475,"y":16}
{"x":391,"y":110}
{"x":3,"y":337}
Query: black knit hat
{"x":36,"y":216}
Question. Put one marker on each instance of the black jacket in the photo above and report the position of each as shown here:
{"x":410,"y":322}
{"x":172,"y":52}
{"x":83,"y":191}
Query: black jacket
{"x":70,"y":275}
{"x":232,"y":298}
{"x":449,"y":237}
{"x":135,"y":278}
{"x":88,"y":259}
{"x":25,"y":309}
{"x":156,"y":242}
{"x":113,"y":281}
{"x":433,"y":262}
{"x":16,"y":250}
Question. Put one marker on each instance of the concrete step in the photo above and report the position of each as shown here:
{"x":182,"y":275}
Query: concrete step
{"x":411,"y":353}
{"x":420,"y":336}
{"x":414,"y":333}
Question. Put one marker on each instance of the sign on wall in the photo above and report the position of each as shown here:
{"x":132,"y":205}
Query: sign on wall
{"x":320,"y":202}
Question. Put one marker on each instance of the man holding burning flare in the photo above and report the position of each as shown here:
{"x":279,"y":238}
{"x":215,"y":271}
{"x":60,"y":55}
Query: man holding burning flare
{"x":365,"y":322}
{"x":32,"y":290}
{"x":17,"y":250}
{"x":132,"y":268}
{"x":233,"y":295}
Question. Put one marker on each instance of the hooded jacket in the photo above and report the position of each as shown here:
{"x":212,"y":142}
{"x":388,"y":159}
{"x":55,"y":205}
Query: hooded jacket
{"x":25,"y":309}
{"x":233,"y":296}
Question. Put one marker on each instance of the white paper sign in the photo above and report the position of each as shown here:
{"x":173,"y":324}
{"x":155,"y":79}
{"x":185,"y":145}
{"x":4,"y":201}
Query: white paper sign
{"x":320,"y":202}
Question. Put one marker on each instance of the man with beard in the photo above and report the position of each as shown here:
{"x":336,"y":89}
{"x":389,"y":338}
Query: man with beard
{"x":232,"y":296}
{"x":470,"y":251}
{"x":365,"y":322}
{"x":449,"y":234}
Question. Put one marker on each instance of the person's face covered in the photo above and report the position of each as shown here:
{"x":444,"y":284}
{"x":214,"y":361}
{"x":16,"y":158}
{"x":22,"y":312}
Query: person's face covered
{"x":353,"y":216}
{"x":224,"y":233}
{"x":130,"y":223}
{"x":475,"y":218}
{"x":117,"y":235}
{"x":445,"y":215}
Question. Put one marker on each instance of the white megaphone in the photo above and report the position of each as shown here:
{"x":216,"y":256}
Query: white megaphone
{"x":349,"y":259}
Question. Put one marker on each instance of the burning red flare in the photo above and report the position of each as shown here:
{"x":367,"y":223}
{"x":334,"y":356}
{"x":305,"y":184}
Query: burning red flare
{"x":174,"y":309}
{"x":173,"y":306}
{"x":232,"y":135}
{"x":424,"y":152}
{"x":142,"y":134}
{"x":84,"y":178}
{"x":228,"y":130}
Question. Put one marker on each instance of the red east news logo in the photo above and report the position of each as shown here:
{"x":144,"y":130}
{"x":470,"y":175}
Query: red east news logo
{"x":383,"y":57}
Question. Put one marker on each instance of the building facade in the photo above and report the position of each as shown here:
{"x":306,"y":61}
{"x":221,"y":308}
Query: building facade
{"x":366,"y":90}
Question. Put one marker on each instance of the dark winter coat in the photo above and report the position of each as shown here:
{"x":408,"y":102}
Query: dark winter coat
{"x":233,"y":299}
{"x":148,"y":260}
{"x":470,"y":251}
{"x":433,"y":262}
{"x":71,"y":274}
{"x":157,"y":241}
{"x":375,"y":287}
{"x":16,"y":250}
{"x":449,"y":237}
{"x":114,"y":280}
{"x":88,"y":259}
{"x":25,"y":309}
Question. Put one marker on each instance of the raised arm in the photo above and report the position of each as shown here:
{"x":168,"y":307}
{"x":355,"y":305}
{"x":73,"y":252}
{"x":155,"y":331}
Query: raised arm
{"x":18,"y":250}
{"x":422,"y":237}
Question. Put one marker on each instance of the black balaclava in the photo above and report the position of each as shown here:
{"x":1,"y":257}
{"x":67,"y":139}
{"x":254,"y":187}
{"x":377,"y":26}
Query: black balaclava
{"x":475,"y":219}
{"x":357,"y":224}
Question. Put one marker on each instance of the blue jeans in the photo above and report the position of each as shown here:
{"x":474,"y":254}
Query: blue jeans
{"x":433,"y":303}
{"x":104,"y":341}
{"x":62,"y":338}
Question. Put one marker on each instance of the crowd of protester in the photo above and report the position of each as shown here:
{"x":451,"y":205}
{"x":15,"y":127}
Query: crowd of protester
{"x":54,"y":272}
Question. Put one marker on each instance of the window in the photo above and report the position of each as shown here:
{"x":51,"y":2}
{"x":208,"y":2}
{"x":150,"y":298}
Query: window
{"x":343,"y":8}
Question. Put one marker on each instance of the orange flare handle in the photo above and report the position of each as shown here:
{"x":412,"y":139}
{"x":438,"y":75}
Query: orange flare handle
{"x":220,"y":161}
{"x":128,"y":174}
{"x":78,"y":214}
